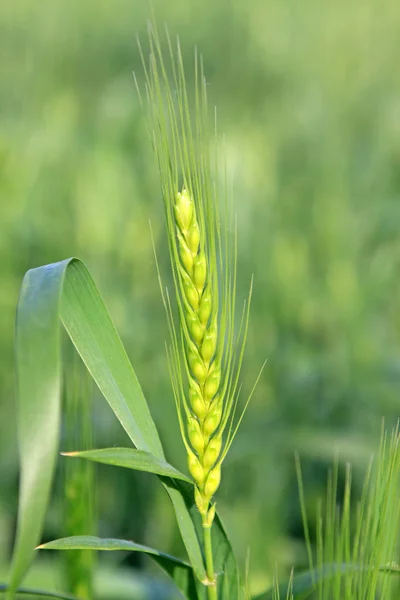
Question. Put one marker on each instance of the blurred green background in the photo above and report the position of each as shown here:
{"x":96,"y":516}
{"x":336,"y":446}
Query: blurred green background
{"x":308,"y":95}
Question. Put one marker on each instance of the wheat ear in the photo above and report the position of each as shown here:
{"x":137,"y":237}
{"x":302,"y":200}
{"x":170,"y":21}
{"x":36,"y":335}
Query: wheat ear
{"x":200,"y":330}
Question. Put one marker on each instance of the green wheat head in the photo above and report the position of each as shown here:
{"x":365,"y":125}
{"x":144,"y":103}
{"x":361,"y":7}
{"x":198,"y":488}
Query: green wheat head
{"x":357,"y":548}
{"x":206,"y":349}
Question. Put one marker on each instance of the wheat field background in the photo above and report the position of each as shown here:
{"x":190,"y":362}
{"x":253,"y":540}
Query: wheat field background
{"x":308,"y":97}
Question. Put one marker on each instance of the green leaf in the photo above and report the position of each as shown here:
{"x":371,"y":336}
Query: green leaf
{"x":180,"y":571}
{"x":224,"y":562}
{"x":90,"y":328}
{"x":304,"y":583}
{"x":138,"y":460}
{"x":66,"y":290}
{"x":40,"y":593}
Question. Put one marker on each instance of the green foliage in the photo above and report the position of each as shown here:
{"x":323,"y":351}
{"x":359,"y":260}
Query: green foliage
{"x":180,"y":571}
{"x":65,"y":290}
{"x":354,"y":554}
{"x":39,"y":593}
{"x":138,"y":460}
{"x":367,"y":540}
{"x":302,"y":586}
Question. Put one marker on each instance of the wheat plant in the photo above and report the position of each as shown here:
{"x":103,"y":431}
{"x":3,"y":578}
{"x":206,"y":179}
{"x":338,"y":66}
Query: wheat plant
{"x":354,"y":558}
{"x":205,"y":354}
{"x":356,"y":550}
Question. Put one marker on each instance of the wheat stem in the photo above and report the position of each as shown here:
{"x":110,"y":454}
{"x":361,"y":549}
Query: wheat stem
{"x":212,"y":582}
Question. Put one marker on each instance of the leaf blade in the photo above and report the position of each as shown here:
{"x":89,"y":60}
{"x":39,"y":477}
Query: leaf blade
{"x":37,"y":396}
{"x":40,"y":593}
{"x":137,"y":460}
{"x":97,"y":341}
{"x":180,"y":571}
